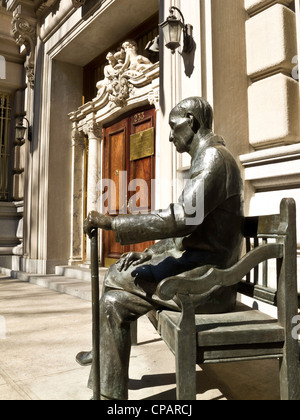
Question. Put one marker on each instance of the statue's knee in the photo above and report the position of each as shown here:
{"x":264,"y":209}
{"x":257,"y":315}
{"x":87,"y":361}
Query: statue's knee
{"x":112,"y":274}
{"x":109,"y":272}
{"x":113,"y":310}
{"x":108,"y":300}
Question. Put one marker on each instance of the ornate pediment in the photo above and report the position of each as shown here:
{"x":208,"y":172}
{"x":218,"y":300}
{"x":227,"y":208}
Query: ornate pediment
{"x":125,"y":67}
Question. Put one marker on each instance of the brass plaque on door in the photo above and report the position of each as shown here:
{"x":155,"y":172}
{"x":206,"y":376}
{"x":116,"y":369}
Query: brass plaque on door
{"x":142,"y":144}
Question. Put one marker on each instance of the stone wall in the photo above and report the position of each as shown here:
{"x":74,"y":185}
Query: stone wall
{"x":272,"y":169}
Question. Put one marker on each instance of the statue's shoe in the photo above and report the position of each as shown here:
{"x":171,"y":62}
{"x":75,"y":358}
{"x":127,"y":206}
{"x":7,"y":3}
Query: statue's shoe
{"x":85,"y":358}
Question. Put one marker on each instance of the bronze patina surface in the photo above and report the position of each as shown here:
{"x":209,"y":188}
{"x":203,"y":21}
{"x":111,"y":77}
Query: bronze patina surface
{"x":202,"y":230}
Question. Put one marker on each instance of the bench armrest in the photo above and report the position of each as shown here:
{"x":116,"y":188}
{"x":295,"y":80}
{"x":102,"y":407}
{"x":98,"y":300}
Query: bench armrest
{"x":190,"y":284}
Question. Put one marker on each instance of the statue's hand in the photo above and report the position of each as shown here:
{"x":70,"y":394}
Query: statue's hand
{"x":134,"y":259}
{"x":96,"y":220}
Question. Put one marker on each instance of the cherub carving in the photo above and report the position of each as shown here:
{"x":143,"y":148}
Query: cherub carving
{"x":122,"y":65}
{"x":109,"y":73}
{"x":134,"y":63}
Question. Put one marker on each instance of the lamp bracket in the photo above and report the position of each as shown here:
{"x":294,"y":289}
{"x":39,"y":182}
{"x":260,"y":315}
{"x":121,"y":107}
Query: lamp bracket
{"x":172,"y":10}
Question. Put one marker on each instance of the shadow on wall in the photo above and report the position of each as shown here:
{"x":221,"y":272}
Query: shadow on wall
{"x":189,"y":60}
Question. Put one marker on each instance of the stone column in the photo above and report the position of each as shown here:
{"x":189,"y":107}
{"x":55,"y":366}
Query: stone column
{"x":77,"y":198}
{"x":94,"y":133}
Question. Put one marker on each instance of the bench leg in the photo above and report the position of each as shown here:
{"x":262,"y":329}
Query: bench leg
{"x":289,"y":373}
{"x":185,"y":369}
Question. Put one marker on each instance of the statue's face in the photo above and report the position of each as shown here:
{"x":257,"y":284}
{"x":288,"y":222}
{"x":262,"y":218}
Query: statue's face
{"x":181,"y":134}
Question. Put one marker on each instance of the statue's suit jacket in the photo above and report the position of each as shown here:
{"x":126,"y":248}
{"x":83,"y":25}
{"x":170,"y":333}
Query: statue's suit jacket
{"x":202,"y":230}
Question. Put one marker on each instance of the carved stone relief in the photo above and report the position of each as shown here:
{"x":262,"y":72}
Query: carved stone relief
{"x":24,"y":32}
{"x":123,"y":66}
{"x":153,"y":98}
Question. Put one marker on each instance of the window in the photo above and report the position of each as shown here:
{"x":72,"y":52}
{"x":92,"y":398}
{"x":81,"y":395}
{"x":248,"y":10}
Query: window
{"x":5,"y":111}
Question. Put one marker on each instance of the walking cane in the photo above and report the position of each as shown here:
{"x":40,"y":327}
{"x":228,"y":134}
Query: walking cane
{"x":95,"y":315}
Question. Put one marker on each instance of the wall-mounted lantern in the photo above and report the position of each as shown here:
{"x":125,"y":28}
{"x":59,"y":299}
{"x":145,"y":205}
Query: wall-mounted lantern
{"x":21,"y":130}
{"x":172,"y":29}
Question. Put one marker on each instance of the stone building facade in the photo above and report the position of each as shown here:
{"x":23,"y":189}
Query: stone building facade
{"x":87,"y":90}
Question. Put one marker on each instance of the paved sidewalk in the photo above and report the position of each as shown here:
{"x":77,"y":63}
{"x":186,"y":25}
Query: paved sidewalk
{"x":42,"y":330}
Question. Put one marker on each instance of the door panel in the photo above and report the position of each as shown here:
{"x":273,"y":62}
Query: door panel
{"x":143,"y":169}
{"x":116,"y":162}
{"x":115,"y":150}
{"x":117,"y":157}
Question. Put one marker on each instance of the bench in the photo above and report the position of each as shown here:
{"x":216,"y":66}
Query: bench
{"x":245,"y":334}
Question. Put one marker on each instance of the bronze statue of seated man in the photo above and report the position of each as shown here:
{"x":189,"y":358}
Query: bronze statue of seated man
{"x":185,"y":241}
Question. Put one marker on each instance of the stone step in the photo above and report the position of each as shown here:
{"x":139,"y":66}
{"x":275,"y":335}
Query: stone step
{"x":76,"y":272}
{"x":5,"y":272}
{"x":62,"y":284}
{"x":74,"y":281}
{"x":24,"y":276}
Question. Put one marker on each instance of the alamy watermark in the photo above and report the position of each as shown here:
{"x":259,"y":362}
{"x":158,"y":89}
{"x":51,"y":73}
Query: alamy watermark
{"x":2,"y":328}
{"x":120,"y":197}
{"x":2,"y":67}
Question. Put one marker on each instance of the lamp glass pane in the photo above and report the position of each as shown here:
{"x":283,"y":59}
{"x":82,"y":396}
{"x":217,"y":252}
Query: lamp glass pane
{"x":175,"y":31}
{"x":20,"y":132}
{"x":172,"y":33}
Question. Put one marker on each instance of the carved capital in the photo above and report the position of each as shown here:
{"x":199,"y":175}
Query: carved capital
{"x":24,"y":32}
{"x":78,"y":139}
{"x":93,"y":130}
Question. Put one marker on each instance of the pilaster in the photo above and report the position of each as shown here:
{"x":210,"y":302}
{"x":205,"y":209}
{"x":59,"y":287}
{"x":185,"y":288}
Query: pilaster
{"x":78,"y":198}
{"x":94,"y":132}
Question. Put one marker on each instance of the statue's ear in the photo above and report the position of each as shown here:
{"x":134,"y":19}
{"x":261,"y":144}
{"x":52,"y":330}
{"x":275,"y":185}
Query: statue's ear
{"x":193,"y":122}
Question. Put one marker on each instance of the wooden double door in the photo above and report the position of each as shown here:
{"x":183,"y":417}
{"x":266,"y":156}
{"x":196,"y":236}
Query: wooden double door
{"x":128,"y":174}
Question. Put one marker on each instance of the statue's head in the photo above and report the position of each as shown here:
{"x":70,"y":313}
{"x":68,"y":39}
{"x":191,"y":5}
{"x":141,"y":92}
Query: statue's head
{"x":189,"y":117}
{"x":111,"y":58}
{"x":130,"y":45}
{"x":199,"y":108}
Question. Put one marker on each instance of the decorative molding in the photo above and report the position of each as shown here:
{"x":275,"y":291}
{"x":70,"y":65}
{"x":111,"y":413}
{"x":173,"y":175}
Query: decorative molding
{"x":101,"y":110}
{"x":153,"y":98}
{"x":24,"y":32}
{"x":44,"y":6}
{"x":272,"y":169}
{"x":78,"y":3}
